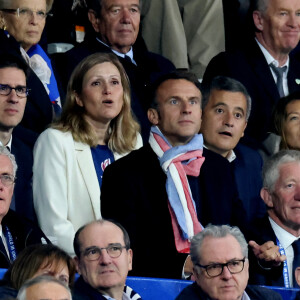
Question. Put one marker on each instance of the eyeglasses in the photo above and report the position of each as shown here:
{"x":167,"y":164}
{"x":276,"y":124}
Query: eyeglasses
{"x":21,"y":91}
{"x":27,"y":13}
{"x":7,"y":179}
{"x":94,"y":253}
{"x":233,"y":266}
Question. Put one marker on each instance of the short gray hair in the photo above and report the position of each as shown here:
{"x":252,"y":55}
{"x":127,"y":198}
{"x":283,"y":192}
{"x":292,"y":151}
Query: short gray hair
{"x":261,"y":5}
{"x":223,"y":83}
{"x":4,"y":151}
{"x":271,"y":168}
{"x":36,"y":280}
{"x":216,"y":231}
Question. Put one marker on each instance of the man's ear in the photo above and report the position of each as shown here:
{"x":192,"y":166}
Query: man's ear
{"x":267,"y":197}
{"x":130,"y":255}
{"x":258,"y":20}
{"x":77,"y":264}
{"x":92,"y":15}
{"x":153,"y":116}
{"x":244,"y":130}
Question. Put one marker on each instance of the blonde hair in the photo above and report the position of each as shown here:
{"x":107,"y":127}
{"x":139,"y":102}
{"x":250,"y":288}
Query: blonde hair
{"x":123,"y":129}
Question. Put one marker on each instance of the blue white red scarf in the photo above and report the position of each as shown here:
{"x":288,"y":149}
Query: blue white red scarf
{"x":177,"y":162}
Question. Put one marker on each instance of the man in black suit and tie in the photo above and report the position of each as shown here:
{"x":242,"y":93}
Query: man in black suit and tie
{"x":166,"y":191}
{"x":13,"y":96}
{"x":114,"y":27}
{"x":281,"y":194}
{"x":263,"y":65}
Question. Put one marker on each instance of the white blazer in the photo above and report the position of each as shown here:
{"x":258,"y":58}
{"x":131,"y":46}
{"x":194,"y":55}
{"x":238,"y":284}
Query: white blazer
{"x":66,"y":190}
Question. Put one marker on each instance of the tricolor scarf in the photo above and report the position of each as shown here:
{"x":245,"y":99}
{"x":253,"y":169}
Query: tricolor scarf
{"x":178,"y":162}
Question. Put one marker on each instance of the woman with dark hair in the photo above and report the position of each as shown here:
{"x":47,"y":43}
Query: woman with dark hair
{"x":96,"y":128}
{"x":37,"y":260}
{"x":287,"y":121}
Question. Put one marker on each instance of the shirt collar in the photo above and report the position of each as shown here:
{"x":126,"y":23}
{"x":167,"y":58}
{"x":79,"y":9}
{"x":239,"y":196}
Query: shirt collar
{"x":230,"y":157}
{"x":245,"y":296}
{"x":270,"y":59}
{"x":8,"y":145}
{"x":124,"y":297}
{"x":285,"y":238}
{"x":129,"y":53}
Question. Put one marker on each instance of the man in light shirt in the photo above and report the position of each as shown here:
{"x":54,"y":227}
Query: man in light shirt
{"x":281,"y":194}
{"x":276,"y":34}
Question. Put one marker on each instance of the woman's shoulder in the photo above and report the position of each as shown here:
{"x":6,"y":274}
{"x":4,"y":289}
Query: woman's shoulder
{"x":56,"y":133}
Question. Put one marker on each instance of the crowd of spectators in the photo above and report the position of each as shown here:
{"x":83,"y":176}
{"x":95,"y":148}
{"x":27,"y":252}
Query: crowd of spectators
{"x":185,"y":157}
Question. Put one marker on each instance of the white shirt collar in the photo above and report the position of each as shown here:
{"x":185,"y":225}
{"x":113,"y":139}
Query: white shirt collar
{"x":230,"y":157}
{"x":270,"y":59}
{"x":124,"y":297}
{"x":129,"y":53}
{"x":285,"y":238}
{"x":8,"y":145}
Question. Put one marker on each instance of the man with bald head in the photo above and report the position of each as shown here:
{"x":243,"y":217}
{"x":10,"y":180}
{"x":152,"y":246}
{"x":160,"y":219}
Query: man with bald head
{"x":103,"y":258}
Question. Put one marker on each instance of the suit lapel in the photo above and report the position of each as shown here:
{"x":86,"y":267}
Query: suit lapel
{"x":86,"y":165}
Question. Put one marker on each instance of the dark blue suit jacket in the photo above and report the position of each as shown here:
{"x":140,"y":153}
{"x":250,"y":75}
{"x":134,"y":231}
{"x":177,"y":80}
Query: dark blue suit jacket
{"x":261,"y":231}
{"x":249,"y":66}
{"x":194,"y":292}
{"x":134,"y":193}
{"x":23,"y":196}
{"x":247,"y":169}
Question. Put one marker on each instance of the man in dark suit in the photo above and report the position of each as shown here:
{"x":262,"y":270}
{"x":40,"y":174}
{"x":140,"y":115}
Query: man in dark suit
{"x":221,"y":267}
{"x":281,"y":193}
{"x":145,"y":193}
{"x":115,"y":27}
{"x":13,"y":96}
{"x":16,"y":232}
{"x":226,"y":110}
{"x":277,"y":32}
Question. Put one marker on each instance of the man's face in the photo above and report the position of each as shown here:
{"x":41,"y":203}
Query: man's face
{"x":12,"y":106}
{"x":178,"y":114}
{"x":47,"y":290}
{"x":279,"y":26}
{"x":226,"y":286}
{"x":224,"y":121}
{"x":6,"y":192}
{"x":105,"y":274}
{"x":118,"y":23}
{"x":285,"y":199}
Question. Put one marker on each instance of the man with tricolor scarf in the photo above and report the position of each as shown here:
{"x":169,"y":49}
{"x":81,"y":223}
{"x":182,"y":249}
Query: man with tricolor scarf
{"x":167,"y":191}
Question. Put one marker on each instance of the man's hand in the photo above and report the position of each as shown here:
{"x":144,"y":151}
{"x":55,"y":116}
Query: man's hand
{"x":267,"y":253}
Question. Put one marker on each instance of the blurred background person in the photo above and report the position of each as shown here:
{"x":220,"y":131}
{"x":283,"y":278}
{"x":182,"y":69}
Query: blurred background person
{"x":95,"y":129}
{"x":22,"y":23}
{"x":287,"y":122}
{"x":34,"y":261}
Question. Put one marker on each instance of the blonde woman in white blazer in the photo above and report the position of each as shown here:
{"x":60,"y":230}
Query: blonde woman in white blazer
{"x":96,"y":116}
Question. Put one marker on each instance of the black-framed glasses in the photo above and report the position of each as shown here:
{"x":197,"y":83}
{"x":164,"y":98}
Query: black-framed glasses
{"x":94,"y":253}
{"x":234,"y":266}
{"x":7,"y":179}
{"x":21,"y":91}
{"x":27,"y":13}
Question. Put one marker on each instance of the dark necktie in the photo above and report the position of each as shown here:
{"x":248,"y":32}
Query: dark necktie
{"x":279,"y":71}
{"x":3,"y":250}
{"x":296,"y":261}
{"x":127,"y":59}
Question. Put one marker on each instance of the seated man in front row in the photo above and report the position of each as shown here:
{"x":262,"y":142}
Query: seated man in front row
{"x":221,"y":267}
{"x":165,"y":191}
{"x":226,"y":110}
{"x":16,"y":232}
{"x":103,"y":257}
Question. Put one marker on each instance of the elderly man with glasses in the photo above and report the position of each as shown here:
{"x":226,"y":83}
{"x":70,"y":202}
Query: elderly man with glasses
{"x":16,"y":232}
{"x":103,"y":258}
{"x":220,"y":258}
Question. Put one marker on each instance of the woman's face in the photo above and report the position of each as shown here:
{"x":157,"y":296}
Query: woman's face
{"x":291,"y":127}
{"x":26,"y":28}
{"x":102,"y":93}
{"x":58,"y":270}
